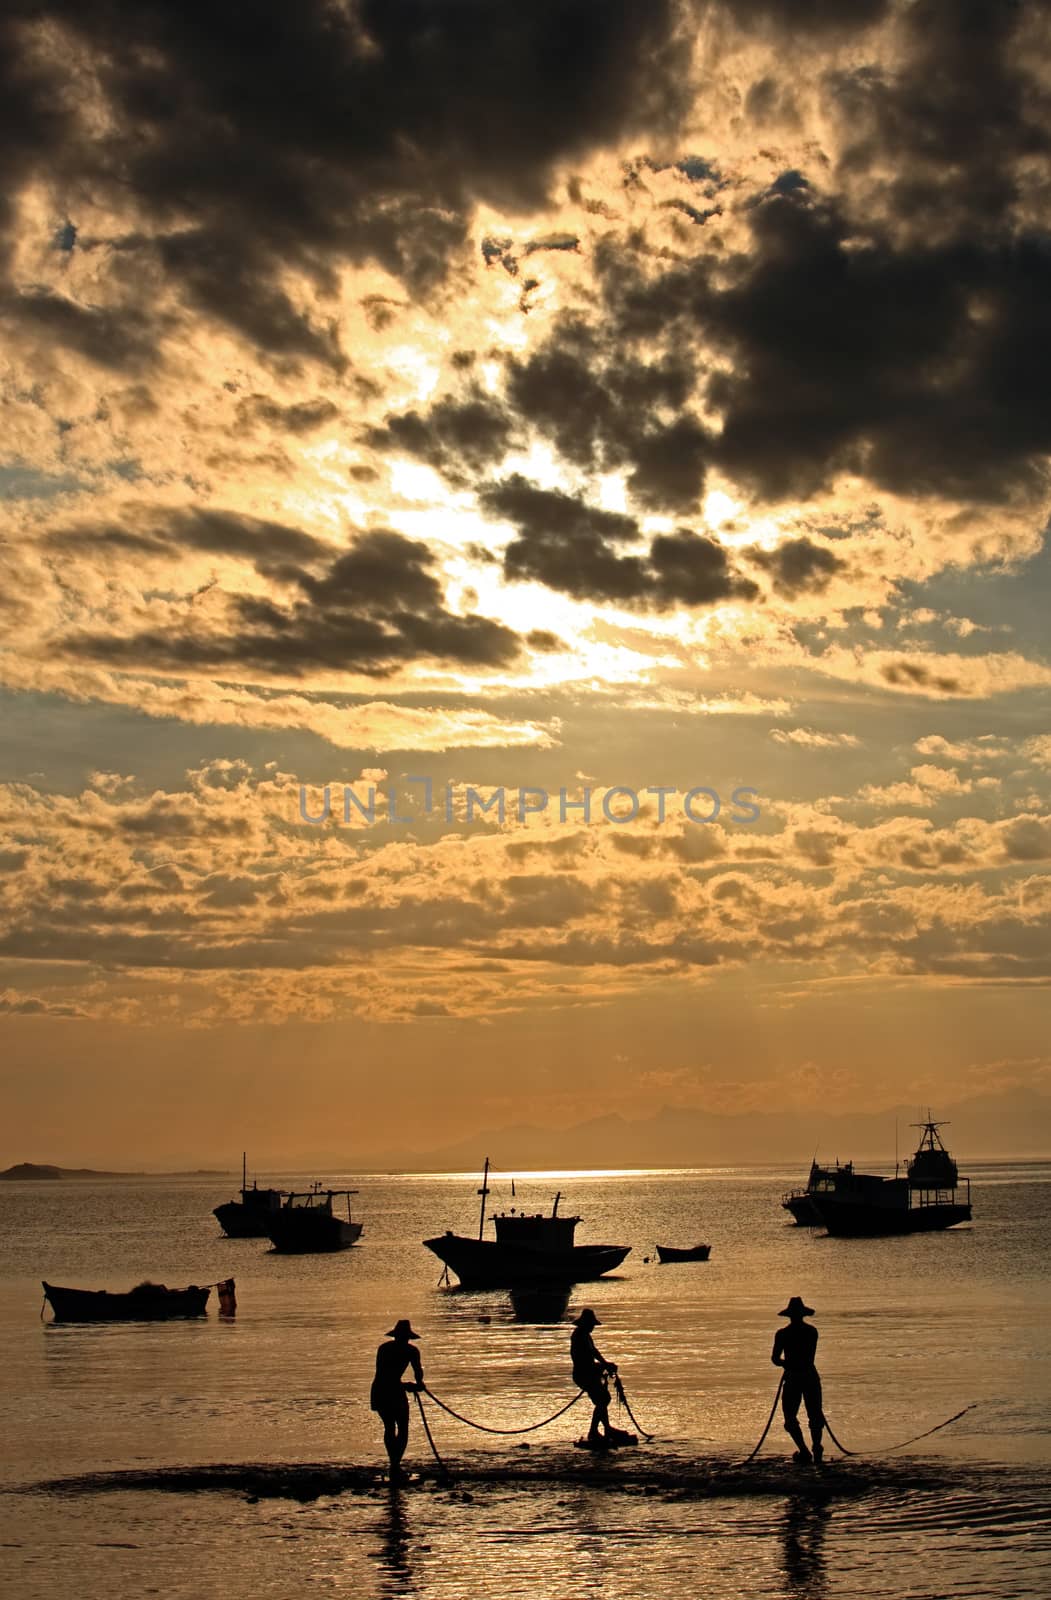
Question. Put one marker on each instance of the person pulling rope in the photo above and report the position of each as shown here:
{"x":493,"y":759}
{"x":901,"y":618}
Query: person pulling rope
{"x":793,"y":1351}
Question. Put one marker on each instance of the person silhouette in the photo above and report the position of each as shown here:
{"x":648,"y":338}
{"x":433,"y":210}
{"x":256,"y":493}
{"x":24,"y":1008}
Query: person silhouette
{"x":589,"y":1372}
{"x":794,"y":1351}
{"x":389,"y":1396}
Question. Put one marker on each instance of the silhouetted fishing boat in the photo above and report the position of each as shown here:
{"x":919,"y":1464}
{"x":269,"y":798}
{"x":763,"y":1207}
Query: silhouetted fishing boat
{"x":147,"y":1302}
{"x":306,"y":1223}
{"x":527,"y":1249}
{"x":931,"y":1196}
{"x":248,"y":1217}
{"x":801,"y":1202}
{"x":667,"y":1253}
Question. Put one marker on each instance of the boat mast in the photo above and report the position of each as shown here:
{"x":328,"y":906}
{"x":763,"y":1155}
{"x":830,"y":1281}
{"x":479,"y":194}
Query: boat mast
{"x":483,"y":1191}
{"x":244,"y":1172}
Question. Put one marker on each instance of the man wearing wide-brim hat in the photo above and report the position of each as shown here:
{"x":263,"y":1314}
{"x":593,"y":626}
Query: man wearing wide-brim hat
{"x":794,"y":1350}
{"x":389,"y":1396}
{"x":589,"y":1372}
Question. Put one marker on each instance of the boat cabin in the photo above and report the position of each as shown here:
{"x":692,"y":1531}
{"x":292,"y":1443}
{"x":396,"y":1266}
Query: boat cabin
{"x":317,"y":1199}
{"x":932,"y":1167}
{"x":536,"y":1232}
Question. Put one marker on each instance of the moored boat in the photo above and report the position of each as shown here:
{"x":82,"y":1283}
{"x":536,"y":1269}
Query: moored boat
{"x":528,"y":1249}
{"x":801,"y":1203}
{"x":307,"y":1224}
{"x":147,"y":1302}
{"x":248,"y":1217}
{"x":667,"y":1253}
{"x":932,"y":1196}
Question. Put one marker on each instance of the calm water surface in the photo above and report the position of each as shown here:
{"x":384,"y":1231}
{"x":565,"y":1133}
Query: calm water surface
{"x":911,"y":1331}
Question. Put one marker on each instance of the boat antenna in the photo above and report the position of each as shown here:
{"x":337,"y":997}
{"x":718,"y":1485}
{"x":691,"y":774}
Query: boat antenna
{"x":896,"y":1162}
{"x":483,"y":1191}
{"x":244,"y":1172}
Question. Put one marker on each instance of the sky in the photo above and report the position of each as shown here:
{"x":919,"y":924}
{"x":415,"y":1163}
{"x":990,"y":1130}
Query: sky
{"x":628,"y":419}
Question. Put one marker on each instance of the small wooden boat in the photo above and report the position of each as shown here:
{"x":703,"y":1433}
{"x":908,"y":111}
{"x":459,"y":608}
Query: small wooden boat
{"x":147,"y":1302}
{"x":667,"y":1253}
{"x":307,"y":1224}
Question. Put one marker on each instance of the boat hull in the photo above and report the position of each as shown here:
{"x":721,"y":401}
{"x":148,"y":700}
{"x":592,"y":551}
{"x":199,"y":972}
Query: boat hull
{"x":311,"y":1233}
{"x":667,"y":1254}
{"x":852,"y":1220}
{"x":98,"y":1305}
{"x":802,"y":1209}
{"x":242,"y":1222}
{"x":486,"y":1264}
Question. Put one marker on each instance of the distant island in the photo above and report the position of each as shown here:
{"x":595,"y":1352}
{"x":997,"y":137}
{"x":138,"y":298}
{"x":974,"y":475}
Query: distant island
{"x":27,"y":1171}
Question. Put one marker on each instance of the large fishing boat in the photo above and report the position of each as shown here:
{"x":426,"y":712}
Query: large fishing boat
{"x":801,"y":1202}
{"x":930,"y":1197}
{"x":248,"y":1218}
{"x":307,"y":1223}
{"x":528,"y":1249}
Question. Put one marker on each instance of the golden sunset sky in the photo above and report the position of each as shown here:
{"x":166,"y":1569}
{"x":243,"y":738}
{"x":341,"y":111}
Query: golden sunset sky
{"x":562,"y":396}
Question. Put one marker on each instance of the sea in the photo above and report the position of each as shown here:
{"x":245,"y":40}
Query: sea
{"x":238,"y":1456}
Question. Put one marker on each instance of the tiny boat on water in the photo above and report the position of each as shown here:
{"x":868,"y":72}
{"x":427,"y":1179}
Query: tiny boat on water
{"x":528,"y":1249}
{"x":932,"y":1196}
{"x":248,"y":1217}
{"x":667,"y":1253}
{"x":307,"y":1224}
{"x":147,"y":1302}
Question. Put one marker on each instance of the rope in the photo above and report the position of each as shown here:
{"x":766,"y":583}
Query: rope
{"x":430,"y":1437}
{"x":482,"y":1428}
{"x":769,"y":1420}
{"x":842,"y":1447}
{"x":900,"y":1446}
{"x":622,"y":1397}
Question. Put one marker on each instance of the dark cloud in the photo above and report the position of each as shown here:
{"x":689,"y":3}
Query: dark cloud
{"x":919,"y":367}
{"x":219,"y":274}
{"x":274,"y":548}
{"x":944,"y":140}
{"x":905,"y":674}
{"x":471,"y":433}
{"x":374,"y":608}
{"x":690,"y":569}
{"x":273,"y":137}
{"x":538,"y":639}
{"x":568,"y":545}
{"x":302,"y":417}
{"x":668,"y":465}
{"x":799,"y":566}
{"x":811,"y":16}
{"x":605,"y":407}
{"x":564,"y":543}
{"x":120,"y":339}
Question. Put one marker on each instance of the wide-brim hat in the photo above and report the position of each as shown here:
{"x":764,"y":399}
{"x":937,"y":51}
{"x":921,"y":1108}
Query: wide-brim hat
{"x":796,"y":1308}
{"x":587,"y":1315}
{"x":402,"y":1330}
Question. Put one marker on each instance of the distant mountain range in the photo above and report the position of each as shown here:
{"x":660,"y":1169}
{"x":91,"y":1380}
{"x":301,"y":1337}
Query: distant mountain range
{"x":30,"y":1171}
{"x":1010,"y":1124}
